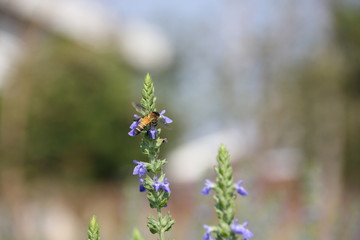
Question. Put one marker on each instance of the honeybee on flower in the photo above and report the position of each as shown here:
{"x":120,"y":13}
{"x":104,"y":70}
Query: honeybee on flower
{"x":147,"y":122}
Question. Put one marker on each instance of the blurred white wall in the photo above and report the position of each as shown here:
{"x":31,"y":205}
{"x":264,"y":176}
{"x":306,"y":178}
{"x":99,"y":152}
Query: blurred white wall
{"x":192,"y":161}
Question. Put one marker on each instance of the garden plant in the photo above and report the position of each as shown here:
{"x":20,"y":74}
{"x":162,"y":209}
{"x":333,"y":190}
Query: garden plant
{"x":154,"y":182}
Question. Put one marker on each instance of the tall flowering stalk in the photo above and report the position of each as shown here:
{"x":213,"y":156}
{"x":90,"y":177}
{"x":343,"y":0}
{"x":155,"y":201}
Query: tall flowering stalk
{"x":151,"y":172}
{"x":225,"y":194}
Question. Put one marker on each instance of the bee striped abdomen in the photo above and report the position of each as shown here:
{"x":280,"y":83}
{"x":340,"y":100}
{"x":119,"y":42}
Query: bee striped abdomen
{"x":143,"y":123}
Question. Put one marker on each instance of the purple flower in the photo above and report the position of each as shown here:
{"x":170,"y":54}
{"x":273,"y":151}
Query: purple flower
{"x":133,"y":126}
{"x":156,"y":185}
{"x":166,"y":120}
{"x":165,"y":185}
{"x":241,"y":229}
{"x":208,"y":186}
{"x":240,"y":189}
{"x":140,"y":168}
{"x":207,"y":235}
{"x":152,"y":132}
{"x":141,"y":187}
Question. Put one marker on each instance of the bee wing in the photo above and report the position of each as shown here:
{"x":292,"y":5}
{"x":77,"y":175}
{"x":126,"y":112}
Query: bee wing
{"x":139,"y":108}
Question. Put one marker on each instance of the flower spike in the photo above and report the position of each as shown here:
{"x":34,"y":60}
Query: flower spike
{"x":225,"y":194}
{"x":151,"y":173}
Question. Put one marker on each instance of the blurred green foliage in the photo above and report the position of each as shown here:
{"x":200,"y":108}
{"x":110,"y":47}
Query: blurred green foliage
{"x":78,"y":112}
{"x":347,"y":26}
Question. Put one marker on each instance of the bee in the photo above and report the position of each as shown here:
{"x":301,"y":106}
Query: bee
{"x":151,"y":118}
{"x":148,"y":119}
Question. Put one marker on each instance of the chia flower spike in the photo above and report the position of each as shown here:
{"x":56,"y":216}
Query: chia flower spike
{"x":151,"y":174}
{"x":94,"y":229}
{"x":225,"y":194}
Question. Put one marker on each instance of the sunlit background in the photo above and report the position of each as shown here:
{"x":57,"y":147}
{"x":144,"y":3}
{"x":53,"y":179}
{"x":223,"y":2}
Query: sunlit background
{"x":277,"y":81}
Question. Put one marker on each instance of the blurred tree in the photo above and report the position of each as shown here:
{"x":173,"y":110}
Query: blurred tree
{"x":76,"y":112}
{"x":315,"y":107}
{"x":347,"y":26}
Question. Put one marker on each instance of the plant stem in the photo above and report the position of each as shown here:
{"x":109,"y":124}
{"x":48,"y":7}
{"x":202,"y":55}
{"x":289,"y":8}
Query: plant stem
{"x":161,"y":233}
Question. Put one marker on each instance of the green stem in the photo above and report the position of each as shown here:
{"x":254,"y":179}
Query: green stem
{"x":161,"y":233}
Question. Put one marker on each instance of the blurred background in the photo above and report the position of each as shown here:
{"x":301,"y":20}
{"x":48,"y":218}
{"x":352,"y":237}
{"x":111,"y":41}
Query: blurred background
{"x":277,"y":81}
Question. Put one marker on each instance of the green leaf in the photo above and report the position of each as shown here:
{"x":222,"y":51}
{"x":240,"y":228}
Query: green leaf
{"x":151,"y":197}
{"x":164,"y":202}
{"x":93,"y":230}
{"x":153,"y":225}
{"x":167,"y":223}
